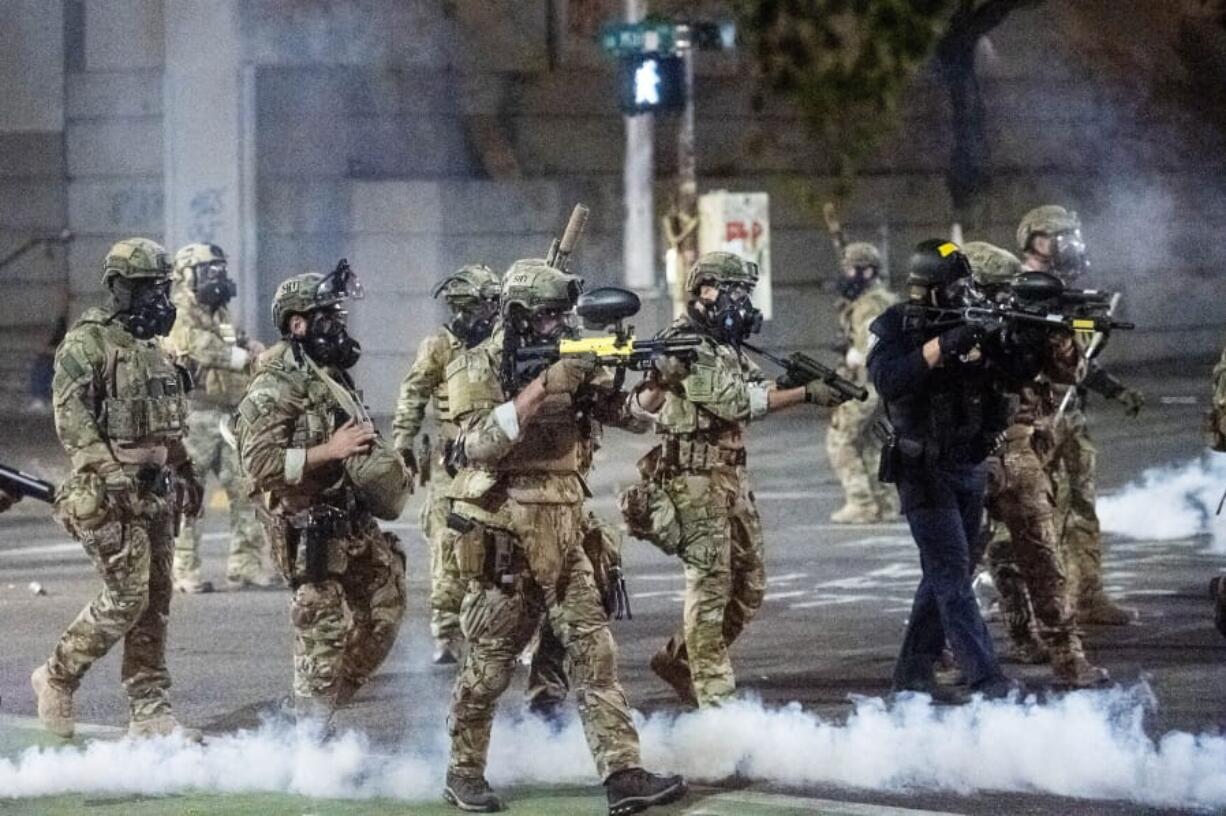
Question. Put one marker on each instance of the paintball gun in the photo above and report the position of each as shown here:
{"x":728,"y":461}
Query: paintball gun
{"x":16,"y":483}
{"x":603,"y":309}
{"x":801,"y":369}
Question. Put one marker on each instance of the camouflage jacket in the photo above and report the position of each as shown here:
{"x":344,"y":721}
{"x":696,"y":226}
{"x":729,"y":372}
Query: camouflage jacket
{"x":117,"y":399}
{"x":720,"y":393}
{"x":426,"y":380}
{"x":206,"y":344}
{"x":1038,"y":399}
{"x":544,"y":461}
{"x":855,"y":316}
{"x":287,"y":409}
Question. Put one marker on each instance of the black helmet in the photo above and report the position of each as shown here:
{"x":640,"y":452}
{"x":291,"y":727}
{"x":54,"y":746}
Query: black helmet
{"x":938,"y":269}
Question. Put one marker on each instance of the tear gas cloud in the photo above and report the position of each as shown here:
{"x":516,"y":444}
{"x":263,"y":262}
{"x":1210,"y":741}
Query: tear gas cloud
{"x":1086,"y":744}
{"x":1170,"y":502}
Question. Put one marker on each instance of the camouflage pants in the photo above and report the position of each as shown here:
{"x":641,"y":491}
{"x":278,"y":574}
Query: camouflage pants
{"x":725,"y":575}
{"x":855,"y":454}
{"x":345,"y":626}
{"x":1074,"y":467}
{"x":446,"y":588}
{"x":210,"y":454}
{"x":1023,"y":502}
{"x":133,"y":556}
{"x":547,"y":682}
{"x":555,"y":582}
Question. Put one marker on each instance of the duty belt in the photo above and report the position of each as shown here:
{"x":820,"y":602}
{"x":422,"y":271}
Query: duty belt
{"x":694,"y":454}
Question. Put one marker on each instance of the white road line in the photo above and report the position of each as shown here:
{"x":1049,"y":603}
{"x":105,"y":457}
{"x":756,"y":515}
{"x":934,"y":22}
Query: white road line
{"x":736,"y":802}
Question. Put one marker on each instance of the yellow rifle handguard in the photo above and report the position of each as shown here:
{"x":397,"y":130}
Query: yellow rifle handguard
{"x":599,"y":346}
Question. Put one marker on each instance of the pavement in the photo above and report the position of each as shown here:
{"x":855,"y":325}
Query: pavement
{"x":837,"y":602}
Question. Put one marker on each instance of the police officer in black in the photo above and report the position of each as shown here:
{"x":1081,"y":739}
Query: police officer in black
{"x":948,"y":404}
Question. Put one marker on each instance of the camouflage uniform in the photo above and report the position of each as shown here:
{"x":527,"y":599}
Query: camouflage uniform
{"x":524,"y":493}
{"x":853,"y":448}
{"x":426,"y":382}
{"x":205,"y":343}
{"x":120,"y":415}
{"x":701,"y":467}
{"x":347,"y":605}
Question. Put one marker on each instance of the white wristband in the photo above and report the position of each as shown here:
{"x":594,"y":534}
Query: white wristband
{"x":508,"y":420}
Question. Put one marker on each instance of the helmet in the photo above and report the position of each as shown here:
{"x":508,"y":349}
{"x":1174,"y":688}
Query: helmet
{"x":991,"y":266}
{"x":533,"y":285}
{"x":192,"y":255}
{"x":299,"y":295}
{"x":718,"y":268}
{"x":861,"y":253}
{"x":935,"y":265}
{"x":1049,"y":219}
{"x":469,"y":284}
{"x":135,"y":259}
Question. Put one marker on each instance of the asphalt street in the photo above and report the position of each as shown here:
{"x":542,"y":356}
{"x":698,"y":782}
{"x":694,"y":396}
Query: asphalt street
{"x":837,"y":602}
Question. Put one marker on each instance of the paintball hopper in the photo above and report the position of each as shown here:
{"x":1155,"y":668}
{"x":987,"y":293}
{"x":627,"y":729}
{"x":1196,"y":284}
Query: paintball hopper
{"x":606,"y":306}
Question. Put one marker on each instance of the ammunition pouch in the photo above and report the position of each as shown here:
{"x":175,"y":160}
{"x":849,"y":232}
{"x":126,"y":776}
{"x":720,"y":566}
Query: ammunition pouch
{"x":687,"y":454}
{"x":487,"y":553}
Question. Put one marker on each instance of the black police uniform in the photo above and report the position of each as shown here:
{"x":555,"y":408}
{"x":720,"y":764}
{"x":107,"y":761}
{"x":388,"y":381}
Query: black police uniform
{"x":946,"y":420}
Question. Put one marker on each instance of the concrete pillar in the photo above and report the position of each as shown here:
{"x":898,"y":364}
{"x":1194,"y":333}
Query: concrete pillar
{"x":206,"y":119}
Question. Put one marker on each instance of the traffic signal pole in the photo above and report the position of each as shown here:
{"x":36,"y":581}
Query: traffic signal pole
{"x":638,"y":171}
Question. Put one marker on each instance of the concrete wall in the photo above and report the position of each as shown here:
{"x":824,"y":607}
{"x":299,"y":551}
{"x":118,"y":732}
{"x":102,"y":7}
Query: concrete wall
{"x":413,"y":136}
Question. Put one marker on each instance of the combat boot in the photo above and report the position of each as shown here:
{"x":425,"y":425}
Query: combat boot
{"x":635,"y":789}
{"x":162,"y":725}
{"x":1070,"y":668}
{"x":1030,"y":652}
{"x":1099,"y":610}
{"x":192,"y":585}
{"x":472,"y":794}
{"x":676,"y":675}
{"x":855,"y":514}
{"x":54,"y":704}
{"x":236,"y":581}
{"x":1217,"y":591}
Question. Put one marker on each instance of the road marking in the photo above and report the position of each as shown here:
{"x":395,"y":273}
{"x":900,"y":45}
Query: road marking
{"x":738,"y":803}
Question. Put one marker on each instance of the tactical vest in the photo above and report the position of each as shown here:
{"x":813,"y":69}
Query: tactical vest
{"x":716,"y":376}
{"x":215,"y":387}
{"x":442,"y":406}
{"x":143,"y":392}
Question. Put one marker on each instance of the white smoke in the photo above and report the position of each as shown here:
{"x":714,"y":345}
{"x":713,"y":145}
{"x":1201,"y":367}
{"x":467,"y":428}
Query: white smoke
{"x":1170,"y":503}
{"x":1086,"y":744}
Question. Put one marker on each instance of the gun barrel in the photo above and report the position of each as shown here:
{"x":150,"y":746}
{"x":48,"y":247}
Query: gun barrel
{"x":574,"y":228}
{"x":23,"y":484}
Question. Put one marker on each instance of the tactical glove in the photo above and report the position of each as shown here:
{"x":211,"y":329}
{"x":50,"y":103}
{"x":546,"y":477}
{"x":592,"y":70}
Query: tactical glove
{"x":669,"y":371}
{"x":818,"y":393}
{"x":568,"y":374}
{"x":1132,"y":400}
{"x":960,"y":340}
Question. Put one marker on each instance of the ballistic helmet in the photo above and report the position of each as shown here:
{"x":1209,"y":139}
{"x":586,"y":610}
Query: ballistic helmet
{"x":991,"y":266}
{"x":935,"y":265}
{"x":192,"y":255}
{"x":468,"y":285}
{"x":307,"y":292}
{"x":861,"y":253}
{"x":718,"y":268}
{"x":534,"y":286}
{"x":136,"y":259}
{"x":1049,"y":219}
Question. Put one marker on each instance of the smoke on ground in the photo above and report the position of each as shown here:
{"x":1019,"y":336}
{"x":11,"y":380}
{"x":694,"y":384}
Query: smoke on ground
{"x":1087,"y":744}
{"x":1170,"y":502}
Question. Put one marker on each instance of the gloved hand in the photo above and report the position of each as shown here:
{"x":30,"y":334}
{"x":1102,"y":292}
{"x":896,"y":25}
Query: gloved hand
{"x":960,"y":340}
{"x":7,"y":500}
{"x":818,"y":393}
{"x":984,"y":445}
{"x":568,"y":374}
{"x":1132,"y":400}
{"x":669,"y":371}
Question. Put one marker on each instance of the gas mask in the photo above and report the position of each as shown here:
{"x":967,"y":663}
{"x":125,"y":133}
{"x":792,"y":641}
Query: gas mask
{"x":732,"y":318}
{"x":327,"y":339}
{"x":144,"y":307}
{"x":851,"y":286}
{"x":212,"y":287}
{"x":550,"y":325}
{"x":1069,"y":259}
{"x":473,"y":322}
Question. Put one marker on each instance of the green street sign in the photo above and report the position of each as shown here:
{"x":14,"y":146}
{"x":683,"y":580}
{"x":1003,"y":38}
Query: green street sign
{"x":623,"y":39}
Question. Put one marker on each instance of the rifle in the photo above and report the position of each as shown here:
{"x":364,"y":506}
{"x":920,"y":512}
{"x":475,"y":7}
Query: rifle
{"x":1096,"y":342}
{"x":602,"y":308}
{"x":424,"y":463}
{"x":16,"y":483}
{"x":561,"y":249}
{"x":801,"y":369}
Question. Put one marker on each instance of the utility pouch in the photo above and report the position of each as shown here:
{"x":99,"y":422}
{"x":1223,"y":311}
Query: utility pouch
{"x":469,"y":546}
{"x":502,"y":564}
{"x":323,"y":524}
